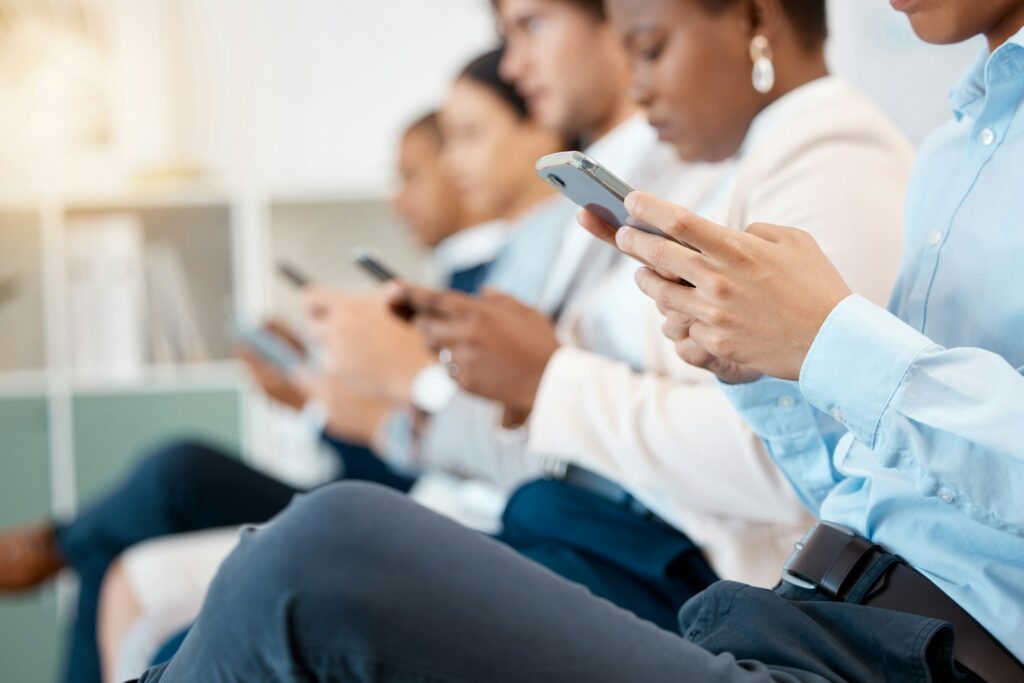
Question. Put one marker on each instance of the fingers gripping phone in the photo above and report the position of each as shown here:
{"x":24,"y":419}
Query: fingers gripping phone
{"x":590,"y":185}
{"x":368,"y":261}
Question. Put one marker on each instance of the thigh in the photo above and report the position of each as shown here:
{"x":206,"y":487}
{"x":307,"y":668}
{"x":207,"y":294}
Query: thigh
{"x":354,"y":583}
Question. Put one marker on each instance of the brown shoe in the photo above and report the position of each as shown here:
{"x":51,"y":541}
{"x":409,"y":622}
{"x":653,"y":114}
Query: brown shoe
{"x":28,"y":557}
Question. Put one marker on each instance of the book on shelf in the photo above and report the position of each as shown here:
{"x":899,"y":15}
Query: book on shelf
{"x":174,"y":334}
{"x":105,"y":295}
{"x":129,"y":301}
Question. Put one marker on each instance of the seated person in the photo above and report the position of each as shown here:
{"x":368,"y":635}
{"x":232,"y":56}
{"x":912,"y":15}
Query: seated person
{"x":915,"y":573}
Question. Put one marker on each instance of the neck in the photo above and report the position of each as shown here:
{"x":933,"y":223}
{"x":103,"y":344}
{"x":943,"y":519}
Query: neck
{"x":621,"y":110}
{"x":1006,"y":28}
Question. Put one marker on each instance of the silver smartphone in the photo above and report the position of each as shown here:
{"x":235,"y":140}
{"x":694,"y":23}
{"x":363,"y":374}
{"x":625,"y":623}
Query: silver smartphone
{"x":590,"y":185}
{"x":268,"y":345}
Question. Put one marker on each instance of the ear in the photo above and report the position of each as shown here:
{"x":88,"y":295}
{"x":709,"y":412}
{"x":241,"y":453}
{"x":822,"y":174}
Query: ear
{"x":765,"y":18}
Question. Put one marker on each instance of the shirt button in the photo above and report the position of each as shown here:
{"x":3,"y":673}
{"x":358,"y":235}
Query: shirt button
{"x":987,"y":136}
{"x":935,"y":237}
{"x":837,"y":414}
{"x":785,"y":402}
{"x":947,"y":496}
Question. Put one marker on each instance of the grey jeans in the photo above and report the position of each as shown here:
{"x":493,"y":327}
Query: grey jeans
{"x":356,"y":583}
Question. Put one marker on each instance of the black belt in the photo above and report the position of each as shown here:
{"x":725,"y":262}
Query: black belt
{"x":607,"y":489}
{"x":831,"y":559}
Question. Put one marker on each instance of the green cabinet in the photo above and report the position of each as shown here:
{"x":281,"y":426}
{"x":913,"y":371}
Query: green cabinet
{"x":112,"y":431}
{"x":29,"y":651}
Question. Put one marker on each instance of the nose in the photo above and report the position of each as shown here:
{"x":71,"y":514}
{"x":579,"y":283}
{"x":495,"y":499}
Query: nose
{"x":511,"y":66}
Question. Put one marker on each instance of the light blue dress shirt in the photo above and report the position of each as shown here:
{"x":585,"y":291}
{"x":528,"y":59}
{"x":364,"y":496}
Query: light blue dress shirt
{"x":930,"y":460}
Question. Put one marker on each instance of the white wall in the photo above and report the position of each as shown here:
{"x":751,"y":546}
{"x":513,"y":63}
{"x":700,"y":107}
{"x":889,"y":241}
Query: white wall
{"x":873,"y":46}
{"x":314,"y":92}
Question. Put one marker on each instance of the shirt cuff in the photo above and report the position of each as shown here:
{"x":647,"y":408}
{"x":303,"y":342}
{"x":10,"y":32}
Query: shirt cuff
{"x":770,"y":407}
{"x":396,"y":439}
{"x":549,"y":426}
{"x":857,"y":362}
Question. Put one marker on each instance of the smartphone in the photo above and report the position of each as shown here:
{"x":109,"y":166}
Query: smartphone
{"x":269,"y":346}
{"x":590,"y":185}
{"x":294,"y":275}
{"x":369,"y":262}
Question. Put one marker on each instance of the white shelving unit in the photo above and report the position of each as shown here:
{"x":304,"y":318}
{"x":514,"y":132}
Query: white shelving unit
{"x":228,"y":240}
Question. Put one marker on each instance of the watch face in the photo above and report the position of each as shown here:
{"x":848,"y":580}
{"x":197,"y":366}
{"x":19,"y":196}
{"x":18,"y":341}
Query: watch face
{"x":433,"y":389}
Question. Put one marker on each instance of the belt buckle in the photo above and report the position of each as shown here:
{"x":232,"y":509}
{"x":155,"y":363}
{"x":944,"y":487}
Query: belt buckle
{"x":798,"y":547}
{"x":553,"y":468}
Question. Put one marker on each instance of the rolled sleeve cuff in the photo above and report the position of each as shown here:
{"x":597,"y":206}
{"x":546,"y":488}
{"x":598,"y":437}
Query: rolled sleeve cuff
{"x":549,"y":426}
{"x":857,"y":362}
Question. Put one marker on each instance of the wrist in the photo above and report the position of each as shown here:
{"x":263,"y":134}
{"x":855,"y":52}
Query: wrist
{"x":402,"y":380}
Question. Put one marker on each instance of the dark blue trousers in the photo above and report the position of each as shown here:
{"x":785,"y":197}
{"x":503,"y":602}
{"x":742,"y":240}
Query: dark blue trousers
{"x":184,"y":486}
{"x":355,"y":584}
{"x":638,"y":563}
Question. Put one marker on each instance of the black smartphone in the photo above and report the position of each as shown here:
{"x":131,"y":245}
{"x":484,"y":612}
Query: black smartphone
{"x":368,"y":261}
{"x":294,"y":275}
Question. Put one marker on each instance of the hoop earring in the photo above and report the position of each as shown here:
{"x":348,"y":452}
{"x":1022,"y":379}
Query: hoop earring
{"x":763,"y":76}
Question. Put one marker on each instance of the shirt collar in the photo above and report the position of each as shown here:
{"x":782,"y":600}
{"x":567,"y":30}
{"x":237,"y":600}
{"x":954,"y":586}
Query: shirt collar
{"x":470,"y":247}
{"x":968,"y":95}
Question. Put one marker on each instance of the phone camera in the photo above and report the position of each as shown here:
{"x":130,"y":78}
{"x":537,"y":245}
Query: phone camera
{"x":555,"y":180}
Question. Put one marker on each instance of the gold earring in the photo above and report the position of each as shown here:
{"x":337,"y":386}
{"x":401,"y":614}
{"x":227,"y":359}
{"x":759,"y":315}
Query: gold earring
{"x":763,"y":76}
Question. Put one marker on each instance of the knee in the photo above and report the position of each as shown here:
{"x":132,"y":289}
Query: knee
{"x":340,"y":517}
{"x":173,"y":462}
{"x":325,"y":540}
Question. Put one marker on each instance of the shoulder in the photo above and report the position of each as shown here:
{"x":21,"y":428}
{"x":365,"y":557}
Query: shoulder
{"x":835,"y":125}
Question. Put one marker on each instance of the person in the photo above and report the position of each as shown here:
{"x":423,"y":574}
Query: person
{"x":187,"y":485}
{"x":914,"y":573}
{"x":660,"y":465}
{"x":485,"y":123}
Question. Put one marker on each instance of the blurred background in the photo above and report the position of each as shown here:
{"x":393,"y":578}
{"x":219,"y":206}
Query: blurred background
{"x":158,"y":157}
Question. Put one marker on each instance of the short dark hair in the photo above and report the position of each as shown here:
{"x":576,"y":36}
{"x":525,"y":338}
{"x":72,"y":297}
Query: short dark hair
{"x":808,"y":17}
{"x":594,"y":8}
{"x":484,"y":70}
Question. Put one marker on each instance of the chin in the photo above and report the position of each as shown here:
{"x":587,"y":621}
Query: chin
{"x":932,"y":28}
{"x":688,"y":150}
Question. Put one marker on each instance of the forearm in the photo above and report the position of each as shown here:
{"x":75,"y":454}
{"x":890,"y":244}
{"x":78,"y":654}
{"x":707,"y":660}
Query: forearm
{"x":947,"y":418}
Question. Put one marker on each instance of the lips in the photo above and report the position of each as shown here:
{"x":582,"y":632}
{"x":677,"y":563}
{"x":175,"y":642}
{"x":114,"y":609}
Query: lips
{"x":901,"y":5}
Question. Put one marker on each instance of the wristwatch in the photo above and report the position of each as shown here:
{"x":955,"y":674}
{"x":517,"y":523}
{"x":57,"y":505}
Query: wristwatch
{"x":433,"y":389}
